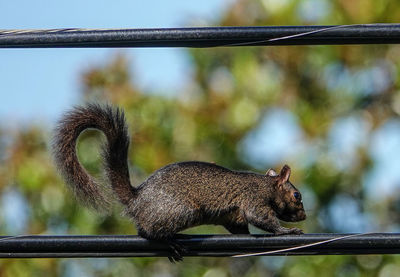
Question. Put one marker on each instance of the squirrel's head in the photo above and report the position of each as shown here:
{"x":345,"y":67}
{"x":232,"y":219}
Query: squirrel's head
{"x":287,"y":202}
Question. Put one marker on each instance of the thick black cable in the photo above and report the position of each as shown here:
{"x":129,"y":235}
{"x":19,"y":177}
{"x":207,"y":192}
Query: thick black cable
{"x":202,"y":37}
{"x":195,"y":245}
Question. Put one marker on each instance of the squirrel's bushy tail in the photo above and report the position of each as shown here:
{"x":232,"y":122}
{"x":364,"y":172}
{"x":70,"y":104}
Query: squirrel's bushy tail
{"x":111,"y":121}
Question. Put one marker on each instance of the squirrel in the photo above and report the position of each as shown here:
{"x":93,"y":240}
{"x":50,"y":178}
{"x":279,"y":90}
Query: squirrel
{"x":176,"y":196}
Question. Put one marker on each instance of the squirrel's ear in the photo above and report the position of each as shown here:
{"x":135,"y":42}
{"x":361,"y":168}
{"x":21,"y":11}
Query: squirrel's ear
{"x":271,"y":173}
{"x":284,"y":174}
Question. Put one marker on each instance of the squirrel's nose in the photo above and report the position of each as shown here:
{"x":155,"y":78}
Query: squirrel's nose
{"x":301,"y":215}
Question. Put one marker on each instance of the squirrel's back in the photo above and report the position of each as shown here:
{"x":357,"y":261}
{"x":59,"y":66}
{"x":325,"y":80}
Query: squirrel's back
{"x":197,"y":181}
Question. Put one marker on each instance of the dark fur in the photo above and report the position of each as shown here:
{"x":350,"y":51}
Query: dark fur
{"x":112,"y":123}
{"x":180,"y":195}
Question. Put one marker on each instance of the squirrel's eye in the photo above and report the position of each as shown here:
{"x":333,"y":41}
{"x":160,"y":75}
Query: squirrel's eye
{"x":296,"y":195}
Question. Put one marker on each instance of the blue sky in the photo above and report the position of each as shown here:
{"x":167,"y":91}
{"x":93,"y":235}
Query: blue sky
{"x":38,"y":84}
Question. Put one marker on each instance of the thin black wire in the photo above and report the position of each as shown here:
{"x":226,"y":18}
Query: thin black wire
{"x":195,"y":245}
{"x":202,"y":37}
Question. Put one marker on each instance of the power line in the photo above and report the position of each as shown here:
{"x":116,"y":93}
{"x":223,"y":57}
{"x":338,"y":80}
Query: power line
{"x":202,"y":36}
{"x":195,"y":245}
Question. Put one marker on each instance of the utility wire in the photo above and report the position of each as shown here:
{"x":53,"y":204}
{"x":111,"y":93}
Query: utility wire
{"x":198,"y":245}
{"x":202,"y":36}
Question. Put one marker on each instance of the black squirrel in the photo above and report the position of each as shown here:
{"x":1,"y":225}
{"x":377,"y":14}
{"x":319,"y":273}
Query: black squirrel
{"x":179,"y":195}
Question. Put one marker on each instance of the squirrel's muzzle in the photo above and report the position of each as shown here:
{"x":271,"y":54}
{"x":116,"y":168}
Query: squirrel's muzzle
{"x":300,"y":215}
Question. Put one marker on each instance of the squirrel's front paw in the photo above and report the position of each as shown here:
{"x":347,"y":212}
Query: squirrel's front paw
{"x":288,"y":231}
{"x":296,"y":231}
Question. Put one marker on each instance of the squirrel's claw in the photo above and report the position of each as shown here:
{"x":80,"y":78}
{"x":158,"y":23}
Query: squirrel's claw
{"x":177,"y":251}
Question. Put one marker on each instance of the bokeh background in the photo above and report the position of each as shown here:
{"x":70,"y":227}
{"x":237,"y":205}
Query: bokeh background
{"x":330,"y":112}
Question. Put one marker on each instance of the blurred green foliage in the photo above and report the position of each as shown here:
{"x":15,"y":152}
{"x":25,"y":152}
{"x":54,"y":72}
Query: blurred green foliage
{"x":231,"y":93}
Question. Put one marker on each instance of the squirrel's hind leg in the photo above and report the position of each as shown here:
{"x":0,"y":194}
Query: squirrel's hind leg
{"x":177,"y":249}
